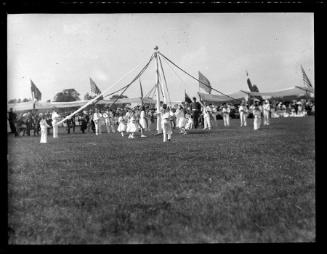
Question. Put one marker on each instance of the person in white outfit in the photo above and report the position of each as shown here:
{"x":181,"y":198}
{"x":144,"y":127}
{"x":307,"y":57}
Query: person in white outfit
{"x":143,"y":122}
{"x":105,"y":116}
{"x":132,"y":125}
{"x":44,"y":129}
{"x":180,"y":119}
{"x":206,"y":110}
{"x":96,"y":119}
{"x":112,"y":121}
{"x":55,"y":119}
{"x":189,"y":122}
{"x":266,"y":112}
{"x":165,"y":114}
{"x":226,"y":112}
{"x":121,"y":124}
{"x":257,"y":117}
{"x":243,"y":114}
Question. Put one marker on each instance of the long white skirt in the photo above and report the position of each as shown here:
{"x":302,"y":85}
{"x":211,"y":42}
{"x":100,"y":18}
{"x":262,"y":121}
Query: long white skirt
{"x":121,"y":127}
{"x":131,"y":127}
{"x":181,"y":122}
{"x":44,"y":135}
{"x":143,"y":123}
{"x":256,"y":123}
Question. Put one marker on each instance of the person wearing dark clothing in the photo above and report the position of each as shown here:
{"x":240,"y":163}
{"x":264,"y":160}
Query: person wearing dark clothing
{"x":84,"y":121}
{"x":68,"y":123}
{"x":49,"y":122}
{"x":36,"y":124}
{"x":12,"y":117}
{"x":29,"y":124}
{"x":196,"y":110}
{"x":73,"y":123}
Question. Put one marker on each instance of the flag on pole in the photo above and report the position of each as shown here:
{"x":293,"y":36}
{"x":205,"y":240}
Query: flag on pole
{"x":205,"y":83}
{"x":187,"y":98}
{"x":36,"y":94}
{"x":305,"y":78}
{"x":94,"y":88}
{"x":252,"y":88}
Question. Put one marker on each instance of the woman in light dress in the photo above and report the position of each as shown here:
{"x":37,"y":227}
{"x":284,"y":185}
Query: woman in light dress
{"x":121,"y":124}
{"x":257,"y":117}
{"x":55,"y":118}
{"x":143,"y":122}
{"x":132,"y":125}
{"x":44,"y":126}
{"x":180,"y":119}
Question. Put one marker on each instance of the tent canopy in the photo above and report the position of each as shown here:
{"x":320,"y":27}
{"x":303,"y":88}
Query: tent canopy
{"x":293,"y":91}
{"x":49,"y":105}
{"x":221,"y":98}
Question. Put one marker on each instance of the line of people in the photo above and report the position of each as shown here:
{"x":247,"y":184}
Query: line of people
{"x":128,"y":121}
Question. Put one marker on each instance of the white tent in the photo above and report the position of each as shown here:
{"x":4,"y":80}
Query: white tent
{"x":222,"y":98}
{"x":292,"y":91}
{"x":49,"y":105}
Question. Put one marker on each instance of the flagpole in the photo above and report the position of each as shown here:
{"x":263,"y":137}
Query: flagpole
{"x":159,"y":129}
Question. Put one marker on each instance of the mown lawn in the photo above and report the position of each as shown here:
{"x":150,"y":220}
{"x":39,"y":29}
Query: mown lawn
{"x":227,"y":185}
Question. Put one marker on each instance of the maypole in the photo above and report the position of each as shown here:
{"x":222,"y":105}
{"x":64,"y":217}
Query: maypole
{"x":159,"y":129}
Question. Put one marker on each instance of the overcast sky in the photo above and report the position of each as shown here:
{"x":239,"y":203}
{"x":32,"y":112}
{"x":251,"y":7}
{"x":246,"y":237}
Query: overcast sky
{"x":59,"y":51}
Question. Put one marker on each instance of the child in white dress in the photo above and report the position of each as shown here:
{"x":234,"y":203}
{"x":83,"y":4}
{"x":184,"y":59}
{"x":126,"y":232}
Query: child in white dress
{"x":180,"y":119}
{"x":132,"y":126}
{"x":122,"y":125}
{"x":44,"y":129}
{"x":189,"y":122}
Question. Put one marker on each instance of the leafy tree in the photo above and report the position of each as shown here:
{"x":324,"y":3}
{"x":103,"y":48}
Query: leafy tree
{"x":87,"y":96}
{"x":66,"y":95}
{"x":12,"y":101}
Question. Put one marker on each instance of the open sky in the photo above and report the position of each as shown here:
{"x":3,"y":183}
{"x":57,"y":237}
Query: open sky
{"x":59,"y":51}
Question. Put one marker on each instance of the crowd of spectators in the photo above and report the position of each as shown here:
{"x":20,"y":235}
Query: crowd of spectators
{"x":28,"y":123}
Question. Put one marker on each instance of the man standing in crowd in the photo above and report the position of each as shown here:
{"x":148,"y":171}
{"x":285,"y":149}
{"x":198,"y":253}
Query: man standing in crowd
{"x":266,"y":112}
{"x":96,"y":118}
{"x":226,"y":112}
{"x":243,"y":113}
{"x":55,"y":119}
{"x":12,"y":121}
{"x":196,"y":110}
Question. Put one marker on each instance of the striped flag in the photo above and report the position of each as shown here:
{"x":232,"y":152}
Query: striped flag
{"x":36,"y":94}
{"x":305,"y":78}
{"x":205,"y":83}
{"x":94,"y":88}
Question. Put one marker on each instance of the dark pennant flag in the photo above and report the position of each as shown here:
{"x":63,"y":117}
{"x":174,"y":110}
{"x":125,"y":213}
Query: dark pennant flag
{"x":36,"y":94}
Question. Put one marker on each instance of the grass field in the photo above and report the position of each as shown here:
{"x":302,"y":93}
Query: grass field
{"x":228,"y":185}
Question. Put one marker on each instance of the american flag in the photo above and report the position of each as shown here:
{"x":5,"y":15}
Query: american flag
{"x":305,"y":78}
{"x":204,"y":83}
{"x":94,"y":88}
